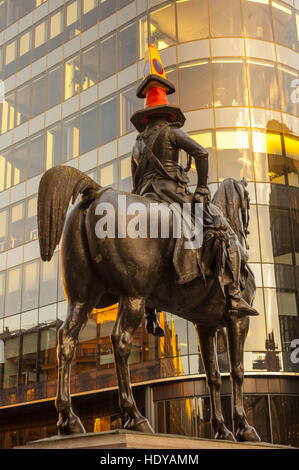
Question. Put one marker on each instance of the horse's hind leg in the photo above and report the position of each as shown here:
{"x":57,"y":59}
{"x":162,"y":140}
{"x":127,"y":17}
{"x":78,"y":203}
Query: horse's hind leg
{"x":130,"y":313}
{"x":237,"y":329}
{"x":68,"y":422}
{"x":208,"y":349}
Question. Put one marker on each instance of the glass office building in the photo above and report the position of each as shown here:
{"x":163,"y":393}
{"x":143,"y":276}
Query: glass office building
{"x":69,"y":72}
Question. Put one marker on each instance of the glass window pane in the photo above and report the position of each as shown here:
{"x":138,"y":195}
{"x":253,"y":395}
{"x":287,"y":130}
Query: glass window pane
{"x":5,"y":168}
{"x":11,"y":364}
{"x":108,"y":119}
{"x":29,"y":359}
{"x":126,"y":45}
{"x":129,"y":103}
{"x":3,"y":8}
{"x":181,"y":416}
{"x":225,"y":18}
{"x":38,"y":95}
{"x":142,"y":34}
{"x":89,"y":13}
{"x":284,"y":417}
{"x":48,"y":282}
{"x":258,"y":19}
{"x":3,"y":229}
{"x":10,"y":56}
{"x":30,"y":285}
{"x":162,"y":26}
{"x":195,"y":97}
{"x":257,"y":414}
{"x":55,"y":31}
{"x":292,"y":160}
{"x":125,"y":178}
{"x":47,"y":355}
{"x":190,"y":28}
{"x":2,"y":292}
{"x":12,"y":11}
{"x":289,"y":80}
{"x":107,"y":56}
{"x":19,"y":163}
{"x":70,"y":138}
{"x":284,"y":25}
{"x":54,"y":86}
{"x":72,"y":19}
{"x":88,"y":128}
{"x":26,"y":7}
{"x":268,"y":159}
{"x":108,"y":175}
{"x":39,"y":40}
{"x":259,"y":74}
{"x":52,"y":151}
{"x":229,"y":82}
{"x":31,"y":219}
{"x":7,"y":112}
{"x":22,"y":104}
{"x":24,"y":49}
{"x":207,"y":140}
{"x":172,"y":75}
{"x":89,"y":70}
{"x":35,"y":154}
{"x":71,"y":76}
{"x":16,"y":226}
{"x":106,"y":8}
{"x":13,"y":291}
{"x":234,"y":155}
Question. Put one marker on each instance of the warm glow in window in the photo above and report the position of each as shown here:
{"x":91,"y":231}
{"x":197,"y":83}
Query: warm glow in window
{"x":71,"y":13}
{"x":10,"y":54}
{"x":25,"y":43}
{"x":40,"y":35}
{"x":266,"y":143}
{"x":55,"y":26}
{"x":107,"y":175}
{"x":232,"y":140}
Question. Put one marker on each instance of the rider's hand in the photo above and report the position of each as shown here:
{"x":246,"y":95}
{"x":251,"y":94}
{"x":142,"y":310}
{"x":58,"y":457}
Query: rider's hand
{"x":202,"y":194}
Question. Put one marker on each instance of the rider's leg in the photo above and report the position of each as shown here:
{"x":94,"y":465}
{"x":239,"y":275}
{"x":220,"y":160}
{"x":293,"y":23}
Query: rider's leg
{"x":152,"y":322}
{"x":235,"y":303}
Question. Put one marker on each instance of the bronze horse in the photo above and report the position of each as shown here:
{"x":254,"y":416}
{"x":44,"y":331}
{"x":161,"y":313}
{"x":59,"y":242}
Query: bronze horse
{"x":136,"y":273}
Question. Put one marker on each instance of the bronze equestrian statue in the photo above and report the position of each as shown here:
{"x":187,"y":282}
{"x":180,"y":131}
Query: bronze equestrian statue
{"x":211,"y":286}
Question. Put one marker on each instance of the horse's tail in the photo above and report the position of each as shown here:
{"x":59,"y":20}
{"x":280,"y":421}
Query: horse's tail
{"x":232,"y":199}
{"x":58,"y":186}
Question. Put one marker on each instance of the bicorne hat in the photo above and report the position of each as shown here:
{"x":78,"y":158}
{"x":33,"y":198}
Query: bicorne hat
{"x":155,"y":88}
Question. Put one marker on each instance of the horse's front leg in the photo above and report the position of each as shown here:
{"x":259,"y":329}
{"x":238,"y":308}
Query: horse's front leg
{"x":208,"y":349}
{"x":68,"y":422}
{"x":130,"y":313}
{"x":237,"y":330}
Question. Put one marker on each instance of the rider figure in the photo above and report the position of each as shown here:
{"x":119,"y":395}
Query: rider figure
{"x":156,"y":172}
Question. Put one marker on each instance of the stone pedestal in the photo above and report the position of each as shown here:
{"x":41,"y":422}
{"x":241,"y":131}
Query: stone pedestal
{"x":122,"y":439}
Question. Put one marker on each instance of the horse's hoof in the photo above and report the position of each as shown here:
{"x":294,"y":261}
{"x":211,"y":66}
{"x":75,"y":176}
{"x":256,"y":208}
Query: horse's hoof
{"x":138,"y":424}
{"x":248,"y":433}
{"x":70,"y":425}
{"x":225,"y":435}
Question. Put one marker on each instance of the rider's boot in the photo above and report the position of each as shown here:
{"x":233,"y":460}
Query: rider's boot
{"x":152,"y":323}
{"x":235,"y":303}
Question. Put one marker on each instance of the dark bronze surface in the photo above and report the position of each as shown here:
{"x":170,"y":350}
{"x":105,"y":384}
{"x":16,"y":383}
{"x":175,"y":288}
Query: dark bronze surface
{"x":152,"y":273}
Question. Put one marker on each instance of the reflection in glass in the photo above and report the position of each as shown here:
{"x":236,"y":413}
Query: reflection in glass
{"x":30,"y":285}
{"x":181,"y":416}
{"x":31,"y":219}
{"x":257,"y":414}
{"x":54,"y":86}
{"x":3,"y":8}
{"x":22,"y":104}
{"x":3,"y":229}
{"x":128,"y":105}
{"x":72,"y":19}
{"x":207,"y":140}
{"x":52,"y":151}
{"x":229,"y":82}
{"x":70,"y":138}
{"x":89,"y":71}
{"x":234,"y":154}
{"x":13,"y":291}
{"x":47,"y":355}
{"x":86,"y":349}
{"x":258,"y":19}
{"x":71,"y":76}
{"x":37,"y":99}
{"x":127,"y":45}
{"x":108,"y":175}
{"x":7,"y":112}
{"x":259,"y":74}
{"x":162,"y":27}
{"x":195,"y":97}
{"x":48,"y":282}
{"x":284,"y":417}
{"x":11,"y":358}
{"x":10,"y":56}
{"x":268,"y":159}
{"x":5,"y":169}
{"x":225,"y":18}
{"x":284,"y":25}
{"x":88,"y":128}
{"x":108,"y":119}
{"x":142,"y":34}
{"x":19,"y":162}
{"x":292,"y":160}
{"x":24,"y":49}
{"x":125,"y":179}
{"x":289,"y":80}
{"x":193,"y":21}
{"x":55,"y":30}
{"x":35,"y":154}
{"x":39,"y":40}
{"x":107,"y":56}
{"x":29,"y":359}
{"x":106,"y":8}
{"x":2,"y":291}
{"x":89,"y":13}
{"x":16,"y":225}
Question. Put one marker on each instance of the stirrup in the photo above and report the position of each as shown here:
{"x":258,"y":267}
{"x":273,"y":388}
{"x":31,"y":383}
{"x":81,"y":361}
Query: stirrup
{"x":240,"y":306}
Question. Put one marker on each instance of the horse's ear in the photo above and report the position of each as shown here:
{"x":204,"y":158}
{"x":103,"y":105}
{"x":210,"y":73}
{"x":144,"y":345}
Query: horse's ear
{"x":244,"y":181}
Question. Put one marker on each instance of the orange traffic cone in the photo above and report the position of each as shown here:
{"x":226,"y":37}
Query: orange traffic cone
{"x":155,"y":88}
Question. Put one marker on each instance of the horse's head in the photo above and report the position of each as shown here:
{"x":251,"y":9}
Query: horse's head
{"x":232,"y":198}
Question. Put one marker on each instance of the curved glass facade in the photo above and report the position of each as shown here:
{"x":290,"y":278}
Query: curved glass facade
{"x":69,"y":72}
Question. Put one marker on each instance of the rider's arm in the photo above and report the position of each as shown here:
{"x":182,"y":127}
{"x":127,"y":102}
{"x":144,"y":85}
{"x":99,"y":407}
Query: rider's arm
{"x":181,"y":140}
